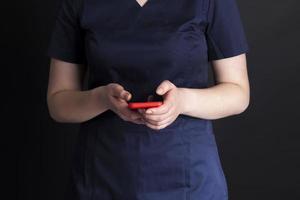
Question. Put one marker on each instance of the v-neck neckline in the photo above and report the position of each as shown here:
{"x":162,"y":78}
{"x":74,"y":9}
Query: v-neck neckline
{"x":145,"y":4}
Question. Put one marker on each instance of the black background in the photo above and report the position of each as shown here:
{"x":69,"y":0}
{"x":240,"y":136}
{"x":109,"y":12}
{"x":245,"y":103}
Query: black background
{"x":259,"y":149}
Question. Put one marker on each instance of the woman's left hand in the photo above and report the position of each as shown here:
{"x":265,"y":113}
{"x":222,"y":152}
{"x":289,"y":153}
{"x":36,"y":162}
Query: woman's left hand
{"x":162,"y":116}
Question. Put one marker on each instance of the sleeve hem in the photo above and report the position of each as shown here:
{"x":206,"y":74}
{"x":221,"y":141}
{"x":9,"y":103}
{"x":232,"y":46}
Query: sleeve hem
{"x":65,"y":58}
{"x":230,"y":54}
{"x":219,"y":54}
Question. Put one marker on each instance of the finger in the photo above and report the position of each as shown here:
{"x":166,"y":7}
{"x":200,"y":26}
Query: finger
{"x":139,"y":121}
{"x":116,"y":89}
{"x":141,"y":110}
{"x":123,"y":94}
{"x":122,"y":108}
{"x":162,"y":109}
{"x":164,"y":87}
{"x":120,"y":92}
{"x":131,"y":118}
{"x":157,"y":117}
{"x":132,"y":115}
{"x":155,"y":127}
{"x":159,"y":122}
{"x":122,"y":116}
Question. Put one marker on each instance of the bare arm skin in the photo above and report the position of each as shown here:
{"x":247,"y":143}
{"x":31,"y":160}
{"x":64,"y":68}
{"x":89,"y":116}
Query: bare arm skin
{"x":67,"y":102}
{"x":229,"y":96}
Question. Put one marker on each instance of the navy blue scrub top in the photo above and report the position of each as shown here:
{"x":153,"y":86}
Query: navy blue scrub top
{"x":139,"y":47}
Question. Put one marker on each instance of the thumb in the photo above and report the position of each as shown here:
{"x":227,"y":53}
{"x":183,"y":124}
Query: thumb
{"x":164,"y":87}
{"x":125,"y":95}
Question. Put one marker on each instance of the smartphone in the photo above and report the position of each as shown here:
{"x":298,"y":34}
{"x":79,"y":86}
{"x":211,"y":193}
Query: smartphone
{"x":148,"y":104}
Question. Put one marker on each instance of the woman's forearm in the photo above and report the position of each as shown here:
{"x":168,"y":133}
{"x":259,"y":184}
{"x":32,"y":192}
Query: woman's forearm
{"x":215,"y":102}
{"x":73,"y":106}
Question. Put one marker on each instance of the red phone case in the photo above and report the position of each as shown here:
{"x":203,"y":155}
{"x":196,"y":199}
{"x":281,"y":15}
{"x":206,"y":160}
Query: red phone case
{"x":148,"y":104}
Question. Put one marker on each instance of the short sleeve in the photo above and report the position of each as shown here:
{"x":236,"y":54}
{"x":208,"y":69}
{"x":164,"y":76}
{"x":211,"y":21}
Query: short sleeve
{"x":67,"y":37}
{"x":224,"y":33}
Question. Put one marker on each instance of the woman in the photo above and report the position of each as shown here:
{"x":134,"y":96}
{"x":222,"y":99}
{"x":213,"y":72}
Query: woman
{"x":137,"y":50}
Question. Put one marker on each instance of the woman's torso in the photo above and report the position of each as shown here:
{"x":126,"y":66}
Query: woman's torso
{"x":139,"y":47}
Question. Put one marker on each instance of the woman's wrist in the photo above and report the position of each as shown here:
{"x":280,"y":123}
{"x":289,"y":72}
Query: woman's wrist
{"x":98,"y":96}
{"x":184,"y":100}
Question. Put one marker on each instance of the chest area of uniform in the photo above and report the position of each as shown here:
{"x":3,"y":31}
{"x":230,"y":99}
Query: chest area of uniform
{"x":117,"y":15}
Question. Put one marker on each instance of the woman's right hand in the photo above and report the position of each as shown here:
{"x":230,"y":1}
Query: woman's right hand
{"x":116,"y":98}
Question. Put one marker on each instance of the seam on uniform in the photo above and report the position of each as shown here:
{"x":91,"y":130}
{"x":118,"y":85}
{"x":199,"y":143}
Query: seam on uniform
{"x":216,"y":49}
{"x":87,"y":169}
{"x":81,"y":10}
{"x":188,"y":170}
{"x":81,"y":6}
{"x":206,"y":5}
{"x":207,"y":9}
{"x":203,"y":9}
{"x":217,"y":53}
{"x":186,"y":160}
